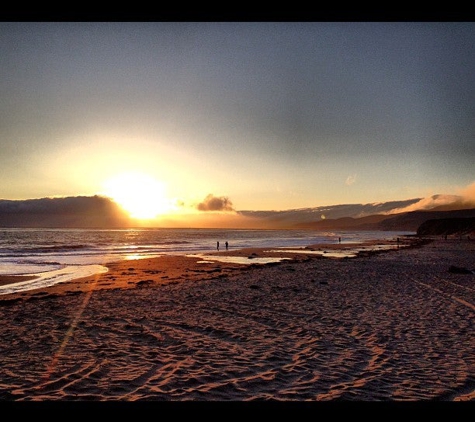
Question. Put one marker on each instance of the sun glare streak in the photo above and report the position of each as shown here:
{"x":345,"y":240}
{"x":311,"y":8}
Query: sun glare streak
{"x":54,"y":361}
{"x":142,"y":196}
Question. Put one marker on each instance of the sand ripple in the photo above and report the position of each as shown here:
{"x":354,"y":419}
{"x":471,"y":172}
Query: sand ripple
{"x":396,"y":326}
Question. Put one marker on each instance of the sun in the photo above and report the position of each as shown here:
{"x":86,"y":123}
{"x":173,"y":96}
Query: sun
{"x":142,"y":196}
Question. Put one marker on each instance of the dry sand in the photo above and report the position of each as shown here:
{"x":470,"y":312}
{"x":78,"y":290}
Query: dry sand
{"x":386,"y":326}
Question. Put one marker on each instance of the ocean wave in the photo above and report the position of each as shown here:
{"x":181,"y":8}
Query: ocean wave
{"x":47,"y":249}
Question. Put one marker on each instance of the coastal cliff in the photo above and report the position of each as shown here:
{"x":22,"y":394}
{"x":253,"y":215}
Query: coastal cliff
{"x":448,"y":226}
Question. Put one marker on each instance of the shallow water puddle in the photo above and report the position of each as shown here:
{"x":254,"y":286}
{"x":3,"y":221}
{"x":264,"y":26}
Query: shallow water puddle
{"x":237,"y":259}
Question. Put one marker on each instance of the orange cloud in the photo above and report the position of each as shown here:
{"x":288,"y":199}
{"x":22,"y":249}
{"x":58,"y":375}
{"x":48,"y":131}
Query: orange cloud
{"x":468,"y":194}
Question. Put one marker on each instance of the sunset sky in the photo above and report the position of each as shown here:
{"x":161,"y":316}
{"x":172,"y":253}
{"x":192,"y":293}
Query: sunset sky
{"x":252,"y":115}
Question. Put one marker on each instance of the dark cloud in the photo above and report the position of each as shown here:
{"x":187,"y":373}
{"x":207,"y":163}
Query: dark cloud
{"x":78,"y":211}
{"x":215,"y":203}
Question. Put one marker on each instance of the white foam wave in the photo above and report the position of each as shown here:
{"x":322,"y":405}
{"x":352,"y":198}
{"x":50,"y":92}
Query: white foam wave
{"x":50,"y":278}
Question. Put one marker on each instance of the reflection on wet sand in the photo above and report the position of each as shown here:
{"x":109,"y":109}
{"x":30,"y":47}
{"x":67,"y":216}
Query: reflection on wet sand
{"x":281,"y":254}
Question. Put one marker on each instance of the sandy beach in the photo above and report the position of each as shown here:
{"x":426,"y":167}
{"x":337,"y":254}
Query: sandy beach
{"x":391,"y":325}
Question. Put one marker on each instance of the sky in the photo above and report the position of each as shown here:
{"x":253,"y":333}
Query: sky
{"x":237,"y":115}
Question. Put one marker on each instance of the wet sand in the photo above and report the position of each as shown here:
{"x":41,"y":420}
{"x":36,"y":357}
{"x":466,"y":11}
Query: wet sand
{"x":386,"y":326}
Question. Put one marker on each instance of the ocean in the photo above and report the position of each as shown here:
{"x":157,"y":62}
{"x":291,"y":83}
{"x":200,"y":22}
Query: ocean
{"x":57,"y":255}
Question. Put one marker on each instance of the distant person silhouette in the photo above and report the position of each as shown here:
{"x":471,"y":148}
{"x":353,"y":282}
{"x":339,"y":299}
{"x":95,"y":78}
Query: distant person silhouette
{"x":217,"y":246}
{"x":226,"y":245}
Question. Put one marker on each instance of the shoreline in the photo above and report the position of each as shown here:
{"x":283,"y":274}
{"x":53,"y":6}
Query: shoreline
{"x":179,"y":267}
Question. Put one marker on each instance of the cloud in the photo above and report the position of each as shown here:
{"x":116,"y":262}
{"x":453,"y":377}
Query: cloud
{"x":215,"y":203}
{"x":350,"y":180}
{"x":468,"y":194}
{"x":78,"y":211}
{"x":429,"y":203}
{"x":464,"y":199}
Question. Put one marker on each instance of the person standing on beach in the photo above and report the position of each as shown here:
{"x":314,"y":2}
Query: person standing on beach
{"x":217,"y":245}
{"x":226,"y":244}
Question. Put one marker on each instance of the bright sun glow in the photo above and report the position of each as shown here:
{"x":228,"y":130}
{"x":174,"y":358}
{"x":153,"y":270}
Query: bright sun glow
{"x":140,"y":195}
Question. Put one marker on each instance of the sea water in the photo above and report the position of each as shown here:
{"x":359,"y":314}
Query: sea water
{"x":62,"y":254}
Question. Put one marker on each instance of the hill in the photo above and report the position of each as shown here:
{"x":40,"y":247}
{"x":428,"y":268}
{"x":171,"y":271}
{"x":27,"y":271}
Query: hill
{"x":448,"y":226}
{"x":97,"y":211}
{"x":409,"y":221}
